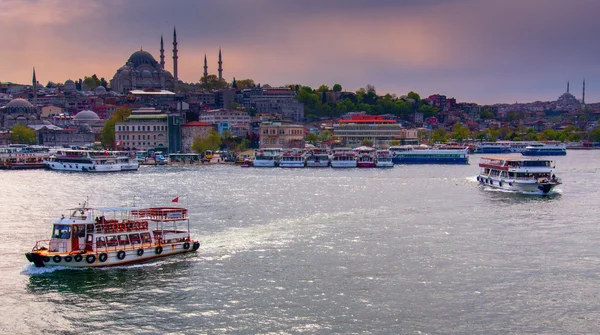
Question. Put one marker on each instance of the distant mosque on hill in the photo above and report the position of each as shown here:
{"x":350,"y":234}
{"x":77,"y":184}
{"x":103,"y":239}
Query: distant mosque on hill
{"x":142,"y":71}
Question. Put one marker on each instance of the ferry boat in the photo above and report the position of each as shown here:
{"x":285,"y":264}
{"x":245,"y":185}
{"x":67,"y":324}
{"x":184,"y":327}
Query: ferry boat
{"x":23,"y":157}
{"x":92,"y":161}
{"x":518,"y":174}
{"x":317,"y":158}
{"x":343,"y":158}
{"x":383,"y":158}
{"x":108,"y":236}
{"x":365,"y":157}
{"x":268,"y":157}
{"x":407,"y":154}
{"x":501,"y":147}
{"x":545,"y":149}
{"x":293,"y":158}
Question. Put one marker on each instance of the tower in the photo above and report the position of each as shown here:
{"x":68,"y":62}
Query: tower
{"x":34,"y":85}
{"x":567,"y":86}
{"x":583,"y":96}
{"x":220,"y":66}
{"x":176,"y":80}
{"x":162,"y":53}
{"x":205,"y":67}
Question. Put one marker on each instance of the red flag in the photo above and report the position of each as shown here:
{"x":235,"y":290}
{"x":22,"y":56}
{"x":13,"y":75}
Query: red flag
{"x":175,"y":200}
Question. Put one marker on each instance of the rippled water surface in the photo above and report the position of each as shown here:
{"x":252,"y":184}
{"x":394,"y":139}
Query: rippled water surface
{"x":409,"y":250}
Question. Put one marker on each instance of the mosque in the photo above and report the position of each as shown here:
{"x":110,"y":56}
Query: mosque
{"x":142,"y":71}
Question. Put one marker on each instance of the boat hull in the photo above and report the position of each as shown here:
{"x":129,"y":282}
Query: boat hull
{"x":263,"y":163}
{"x":370,"y":164}
{"x":87,"y":167}
{"x":291,"y":164}
{"x":320,"y":163}
{"x":94,"y":259}
{"x":530,"y":187}
{"x":544,"y":153}
{"x":343,"y":164}
{"x":384,"y":164}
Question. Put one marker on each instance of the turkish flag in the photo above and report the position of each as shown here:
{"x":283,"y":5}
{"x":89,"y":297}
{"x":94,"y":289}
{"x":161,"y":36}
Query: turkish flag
{"x":175,"y":200}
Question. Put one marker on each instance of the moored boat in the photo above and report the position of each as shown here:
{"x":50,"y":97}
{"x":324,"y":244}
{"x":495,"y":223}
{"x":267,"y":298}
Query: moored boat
{"x":293,"y":158}
{"x":383,"y":158}
{"x":545,"y":149}
{"x":108,"y":236}
{"x":407,"y":154}
{"x":23,"y":157}
{"x":92,"y":161}
{"x":317,"y":157}
{"x":365,"y":157}
{"x":343,"y":158}
{"x":267,"y":157}
{"x":518,"y":174}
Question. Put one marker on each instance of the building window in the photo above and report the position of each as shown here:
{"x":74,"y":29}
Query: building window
{"x":281,"y":141}
{"x":273,"y":141}
{"x":266,"y":141}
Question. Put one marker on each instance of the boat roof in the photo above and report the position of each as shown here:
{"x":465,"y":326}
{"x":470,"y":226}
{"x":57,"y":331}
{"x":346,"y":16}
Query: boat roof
{"x":512,"y":158}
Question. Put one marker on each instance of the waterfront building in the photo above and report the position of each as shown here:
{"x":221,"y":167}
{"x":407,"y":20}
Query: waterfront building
{"x":373,"y":128}
{"x":224,"y":118}
{"x":145,"y":129}
{"x":275,"y":100}
{"x":192,"y":130}
{"x":281,"y":134}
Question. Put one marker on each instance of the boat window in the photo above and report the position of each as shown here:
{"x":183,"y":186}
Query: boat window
{"x":62,"y":231}
{"x":123,"y":240}
{"x":112,"y":241}
{"x":81,"y":229}
{"x":146,"y":237}
{"x":90,"y":228}
{"x":101,"y":241}
{"x":134,"y":238}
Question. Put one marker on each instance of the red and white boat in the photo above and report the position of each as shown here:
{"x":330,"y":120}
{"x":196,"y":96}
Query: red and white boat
{"x":293,"y":158}
{"x":383,"y":158}
{"x":109,"y":236}
{"x":365,"y":157}
{"x":343,"y":158}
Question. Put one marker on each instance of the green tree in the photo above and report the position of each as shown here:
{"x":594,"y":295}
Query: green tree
{"x":245,"y":83}
{"x":92,"y":82}
{"x":414,"y":96}
{"x":486,"y":114}
{"x":460,"y":132}
{"x":311,"y":138}
{"x":21,"y":134}
{"x":427,"y":111}
{"x":394,"y":142}
{"x":212,"y":82}
{"x":367,"y":143}
{"x":594,"y":134}
{"x":211,"y":142}
{"x":325,"y":135}
{"x":439,"y":135}
{"x":323,"y":88}
{"x":337,"y":88}
{"x":108,"y":132}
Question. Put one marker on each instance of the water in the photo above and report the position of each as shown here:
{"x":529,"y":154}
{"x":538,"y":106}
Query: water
{"x":409,"y":250}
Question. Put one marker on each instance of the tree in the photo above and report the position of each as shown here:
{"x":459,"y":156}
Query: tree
{"x":233,"y":105}
{"x":439,"y":135}
{"x":311,"y":138}
{"x":211,"y":142}
{"x":337,"y":88}
{"x":325,"y":135}
{"x":414,"y":96}
{"x":244,"y":83}
{"x":323,"y":88}
{"x":367,"y":143}
{"x":22,"y":134}
{"x":108,"y":132}
{"x":594,"y":135}
{"x":460,"y":132}
{"x":394,"y":142}
{"x":92,"y":82}
{"x":486,"y":114}
{"x":212,"y":82}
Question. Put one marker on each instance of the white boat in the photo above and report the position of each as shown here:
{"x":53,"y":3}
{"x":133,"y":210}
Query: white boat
{"x":108,"y":236}
{"x":293,"y":158}
{"x":343,"y":158}
{"x":267,"y":157}
{"x":545,"y":149}
{"x":365,"y":157}
{"x":518,"y":174}
{"x":92,"y":161}
{"x":383,"y":158}
{"x":23,"y":157}
{"x":317,"y":158}
{"x":501,"y":147}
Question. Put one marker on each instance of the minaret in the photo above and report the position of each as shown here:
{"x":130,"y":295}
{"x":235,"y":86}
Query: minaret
{"x":34,"y":85}
{"x":220,"y":66}
{"x":583,"y":96}
{"x":175,"y":84}
{"x":162,"y":53}
{"x":567,"y":86}
{"x":205,"y":67}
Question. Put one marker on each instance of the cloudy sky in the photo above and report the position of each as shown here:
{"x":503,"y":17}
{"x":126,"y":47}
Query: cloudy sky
{"x":484,"y":51}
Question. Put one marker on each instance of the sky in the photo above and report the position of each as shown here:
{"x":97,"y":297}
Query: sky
{"x":483,"y":51}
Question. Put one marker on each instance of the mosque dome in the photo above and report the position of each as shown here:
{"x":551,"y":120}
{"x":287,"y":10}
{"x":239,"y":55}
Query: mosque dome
{"x":70,"y":85}
{"x":100,"y":90}
{"x":19,"y":106}
{"x":86,"y":116}
{"x":142,"y":57}
{"x":146,"y":73}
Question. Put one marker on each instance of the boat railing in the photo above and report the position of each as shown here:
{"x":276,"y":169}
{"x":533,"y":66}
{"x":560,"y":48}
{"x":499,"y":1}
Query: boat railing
{"x":120,"y":245}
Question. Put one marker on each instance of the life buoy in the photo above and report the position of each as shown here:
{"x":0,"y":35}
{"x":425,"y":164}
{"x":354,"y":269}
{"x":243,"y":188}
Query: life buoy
{"x":57,"y":259}
{"x":90,"y":259}
{"x":196,"y":246}
{"x":158,"y":250}
{"x":102,"y":257}
{"x":140,"y":252}
{"x":68,"y":259}
{"x":115,"y":227}
{"x":145,"y":225}
{"x":121,"y":227}
{"x":78,"y":258}
{"x":129,"y":225}
{"x":121,"y":254}
{"x":186,"y":245}
{"x":46,"y":259}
